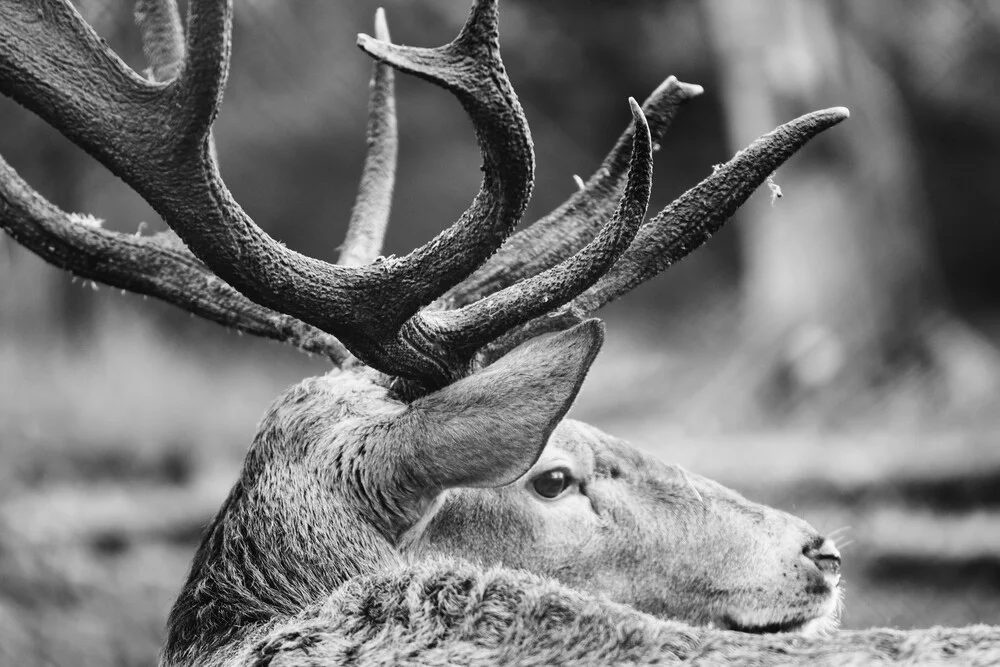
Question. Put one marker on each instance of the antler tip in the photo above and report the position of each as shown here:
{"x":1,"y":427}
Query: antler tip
{"x":826,"y":118}
{"x":671,"y":83}
{"x":636,"y":109}
{"x":691,"y":89}
{"x":843,"y":112}
{"x":637,"y":115}
{"x":381,"y":26}
{"x":372,"y":46}
{"x":399,"y":57}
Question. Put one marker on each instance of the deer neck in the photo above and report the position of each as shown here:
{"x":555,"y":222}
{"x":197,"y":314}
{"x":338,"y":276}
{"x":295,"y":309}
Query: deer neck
{"x":286,"y":537}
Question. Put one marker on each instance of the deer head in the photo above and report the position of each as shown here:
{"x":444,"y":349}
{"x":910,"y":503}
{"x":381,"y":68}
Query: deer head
{"x":441,"y":431}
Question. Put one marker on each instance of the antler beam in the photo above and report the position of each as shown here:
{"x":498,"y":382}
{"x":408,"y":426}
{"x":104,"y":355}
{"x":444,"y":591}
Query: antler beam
{"x":156,"y":136}
{"x":473,"y":326}
{"x":685,"y":224}
{"x":574,"y":223}
{"x":150,"y":265}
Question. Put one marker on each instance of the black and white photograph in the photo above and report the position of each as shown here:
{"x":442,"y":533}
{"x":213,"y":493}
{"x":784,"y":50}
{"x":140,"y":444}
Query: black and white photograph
{"x":357,"y":332}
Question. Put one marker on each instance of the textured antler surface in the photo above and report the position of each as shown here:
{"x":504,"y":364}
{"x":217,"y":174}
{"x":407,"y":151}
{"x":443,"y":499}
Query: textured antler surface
{"x":573,"y":224}
{"x":685,"y":224}
{"x":370,"y":215}
{"x":471,"y":327}
{"x":162,"y":38}
{"x":156,"y":266}
{"x":157,"y":138}
{"x":156,"y":135}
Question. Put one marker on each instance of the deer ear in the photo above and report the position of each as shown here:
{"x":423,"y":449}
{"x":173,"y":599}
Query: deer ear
{"x":488,"y":429}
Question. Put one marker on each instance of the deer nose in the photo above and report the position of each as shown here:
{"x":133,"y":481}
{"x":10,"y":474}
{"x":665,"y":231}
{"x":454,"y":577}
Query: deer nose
{"x":824,"y":555}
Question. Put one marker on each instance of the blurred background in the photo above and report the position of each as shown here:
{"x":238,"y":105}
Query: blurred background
{"x":832,"y":352}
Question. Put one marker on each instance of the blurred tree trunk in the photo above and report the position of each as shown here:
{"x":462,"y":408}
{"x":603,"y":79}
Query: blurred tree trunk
{"x":841,"y":290}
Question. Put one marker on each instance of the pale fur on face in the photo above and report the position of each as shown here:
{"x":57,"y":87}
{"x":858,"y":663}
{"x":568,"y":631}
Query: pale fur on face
{"x":642,"y":532}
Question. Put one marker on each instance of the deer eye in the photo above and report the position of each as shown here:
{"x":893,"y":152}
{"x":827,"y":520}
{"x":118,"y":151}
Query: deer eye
{"x":551,"y":483}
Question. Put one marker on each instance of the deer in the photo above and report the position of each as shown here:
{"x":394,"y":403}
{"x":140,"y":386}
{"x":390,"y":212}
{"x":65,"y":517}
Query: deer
{"x":428,"y":501}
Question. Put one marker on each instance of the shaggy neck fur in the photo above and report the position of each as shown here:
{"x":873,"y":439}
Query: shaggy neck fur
{"x":340,"y":470}
{"x":287,"y":536}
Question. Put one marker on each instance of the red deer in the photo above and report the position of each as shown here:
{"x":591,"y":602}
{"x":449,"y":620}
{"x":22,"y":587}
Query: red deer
{"x":427,"y":501}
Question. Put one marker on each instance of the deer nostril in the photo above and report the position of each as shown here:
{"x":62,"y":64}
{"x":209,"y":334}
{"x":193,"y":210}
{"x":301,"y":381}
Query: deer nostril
{"x":825,"y":556}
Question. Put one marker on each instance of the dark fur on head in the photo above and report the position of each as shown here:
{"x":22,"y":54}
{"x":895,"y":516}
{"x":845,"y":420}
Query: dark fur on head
{"x":285,"y":536}
{"x":339,"y":470}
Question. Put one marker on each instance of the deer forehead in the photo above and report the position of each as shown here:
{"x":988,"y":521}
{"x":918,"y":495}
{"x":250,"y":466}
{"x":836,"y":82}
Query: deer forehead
{"x":591,"y":452}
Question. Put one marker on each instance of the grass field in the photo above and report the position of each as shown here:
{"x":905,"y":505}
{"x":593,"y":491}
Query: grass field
{"x":115,"y":454}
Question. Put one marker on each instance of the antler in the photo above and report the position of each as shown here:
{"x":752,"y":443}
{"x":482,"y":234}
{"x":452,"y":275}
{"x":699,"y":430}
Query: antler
{"x":484,"y":320}
{"x":156,"y":136}
{"x":684,"y":225}
{"x":574,"y":223}
{"x":370,"y":216}
{"x":157,"y":266}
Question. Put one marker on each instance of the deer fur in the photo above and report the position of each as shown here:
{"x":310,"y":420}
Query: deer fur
{"x":339,"y":471}
{"x":443,"y":613}
{"x":390,"y":512}
{"x":345,"y":481}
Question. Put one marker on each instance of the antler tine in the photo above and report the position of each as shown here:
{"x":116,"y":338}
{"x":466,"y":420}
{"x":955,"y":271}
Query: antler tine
{"x":574,"y":223}
{"x":132,"y":126}
{"x":146,"y":265}
{"x":470,"y":68}
{"x":686,"y":223}
{"x":206,"y":67}
{"x":469,"y":328}
{"x":159,"y":24}
{"x":36,"y":40}
{"x":156,"y":137}
{"x":370,"y":215}
{"x":155,"y":266}
{"x":695,"y":216}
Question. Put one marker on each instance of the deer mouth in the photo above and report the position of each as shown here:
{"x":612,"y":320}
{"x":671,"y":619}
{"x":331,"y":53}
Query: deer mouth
{"x":824,"y":620}
{"x":793,"y":625}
